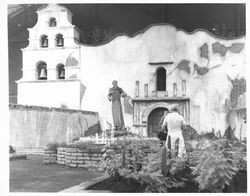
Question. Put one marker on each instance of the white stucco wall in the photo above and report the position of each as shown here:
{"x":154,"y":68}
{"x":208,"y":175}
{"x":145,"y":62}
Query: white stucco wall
{"x":126,"y":60}
{"x":50,"y":93}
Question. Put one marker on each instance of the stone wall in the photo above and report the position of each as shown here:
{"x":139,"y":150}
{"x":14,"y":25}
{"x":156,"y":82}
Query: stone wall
{"x":84,"y":155}
{"x":74,"y":156}
{"x":35,"y":127}
{"x":37,"y":151}
{"x":50,"y":155}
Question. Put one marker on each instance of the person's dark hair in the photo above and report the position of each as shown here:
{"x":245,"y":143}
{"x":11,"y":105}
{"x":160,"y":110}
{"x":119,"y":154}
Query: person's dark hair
{"x":114,"y":82}
{"x":175,"y":109}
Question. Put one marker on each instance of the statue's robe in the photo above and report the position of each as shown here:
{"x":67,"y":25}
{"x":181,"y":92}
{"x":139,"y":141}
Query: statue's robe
{"x":115,"y":93}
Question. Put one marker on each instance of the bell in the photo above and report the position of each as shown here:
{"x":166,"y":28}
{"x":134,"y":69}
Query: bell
{"x":62,"y":74}
{"x":45,"y":43}
{"x":53,"y":23}
{"x":60,"y":42}
{"x":43,"y":74}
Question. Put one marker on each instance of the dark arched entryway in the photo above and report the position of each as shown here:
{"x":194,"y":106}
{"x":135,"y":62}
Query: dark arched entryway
{"x":153,"y":121}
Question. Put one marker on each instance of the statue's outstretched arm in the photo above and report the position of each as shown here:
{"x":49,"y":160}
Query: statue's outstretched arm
{"x":123,"y":94}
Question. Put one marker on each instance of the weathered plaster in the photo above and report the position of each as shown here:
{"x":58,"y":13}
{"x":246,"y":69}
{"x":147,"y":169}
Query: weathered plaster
{"x":214,"y":82}
{"x":222,"y":50}
{"x":71,"y":61}
{"x":236,"y":47}
{"x":239,"y":87}
{"x":219,"y":48}
{"x":184,"y":65}
{"x":128,"y":60}
{"x":35,"y":127}
{"x":204,"y":51}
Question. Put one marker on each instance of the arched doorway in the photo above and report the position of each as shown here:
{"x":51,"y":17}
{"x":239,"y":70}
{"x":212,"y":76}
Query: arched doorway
{"x":153,"y":121}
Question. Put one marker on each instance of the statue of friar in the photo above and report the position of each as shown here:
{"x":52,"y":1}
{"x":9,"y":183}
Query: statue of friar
{"x":115,"y":94}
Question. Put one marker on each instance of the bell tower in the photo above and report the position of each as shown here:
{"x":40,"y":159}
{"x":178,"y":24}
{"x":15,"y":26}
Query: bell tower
{"x":51,"y":61}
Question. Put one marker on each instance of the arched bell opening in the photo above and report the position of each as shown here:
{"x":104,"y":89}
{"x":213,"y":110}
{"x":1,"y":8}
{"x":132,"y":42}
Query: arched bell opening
{"x":41,"y":70}
{"x":44,"y":42}
{"x":52,"y":22}
{"x":59,"y":40}
{"x":60,"y":71}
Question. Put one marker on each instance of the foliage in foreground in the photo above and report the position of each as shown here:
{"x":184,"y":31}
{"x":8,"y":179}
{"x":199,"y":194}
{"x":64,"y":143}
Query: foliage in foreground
{"x":216,"y":166}
{"x":11,"y":149}
{"x":140,"y":167}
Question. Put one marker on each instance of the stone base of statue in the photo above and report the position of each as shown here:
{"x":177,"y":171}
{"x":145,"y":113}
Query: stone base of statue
{"x":120,"y":133}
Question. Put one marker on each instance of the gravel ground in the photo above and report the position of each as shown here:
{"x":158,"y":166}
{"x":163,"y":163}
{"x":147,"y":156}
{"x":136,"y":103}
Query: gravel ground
{"x":32,"y":175}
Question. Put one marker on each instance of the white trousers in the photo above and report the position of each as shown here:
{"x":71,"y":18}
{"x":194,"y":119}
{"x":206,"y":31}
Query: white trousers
{"x":174,"y":135}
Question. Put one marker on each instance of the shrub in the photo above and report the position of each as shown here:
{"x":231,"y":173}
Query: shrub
{"x":140,"y":166}
{"x":216,"y":167}
{"x":11,"y":149}
{"x":155,"y":183}
{"x":215,"y":164}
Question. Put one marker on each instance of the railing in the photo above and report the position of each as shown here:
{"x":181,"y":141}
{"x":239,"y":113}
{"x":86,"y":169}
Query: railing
{"x":104,"y":137}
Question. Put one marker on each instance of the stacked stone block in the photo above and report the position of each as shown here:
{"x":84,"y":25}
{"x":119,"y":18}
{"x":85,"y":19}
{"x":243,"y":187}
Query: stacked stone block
{"x":82,"y":156}
{"x":50,"y":155}
{"x":71,"y":158}
{"x":61,"y":155}
{"x":79,"y":156}
{"x":35,"y":151}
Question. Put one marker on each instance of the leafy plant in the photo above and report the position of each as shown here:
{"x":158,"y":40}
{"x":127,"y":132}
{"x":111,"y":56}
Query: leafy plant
{"x":11,"y":149}
{"x":176,"y":164}
{"x":216,"y":167}
{"x":110,"y":162}
{"x":154,"y":182}
{"x":141,"y":166}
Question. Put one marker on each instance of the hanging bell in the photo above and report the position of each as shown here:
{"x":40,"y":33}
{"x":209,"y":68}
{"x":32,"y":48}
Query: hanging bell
{"x":43,"y":74}
{"x":53,"y":23}
{"x":62,"y":74}
{"x":60,"y":42}
{"x":45,"y":43}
